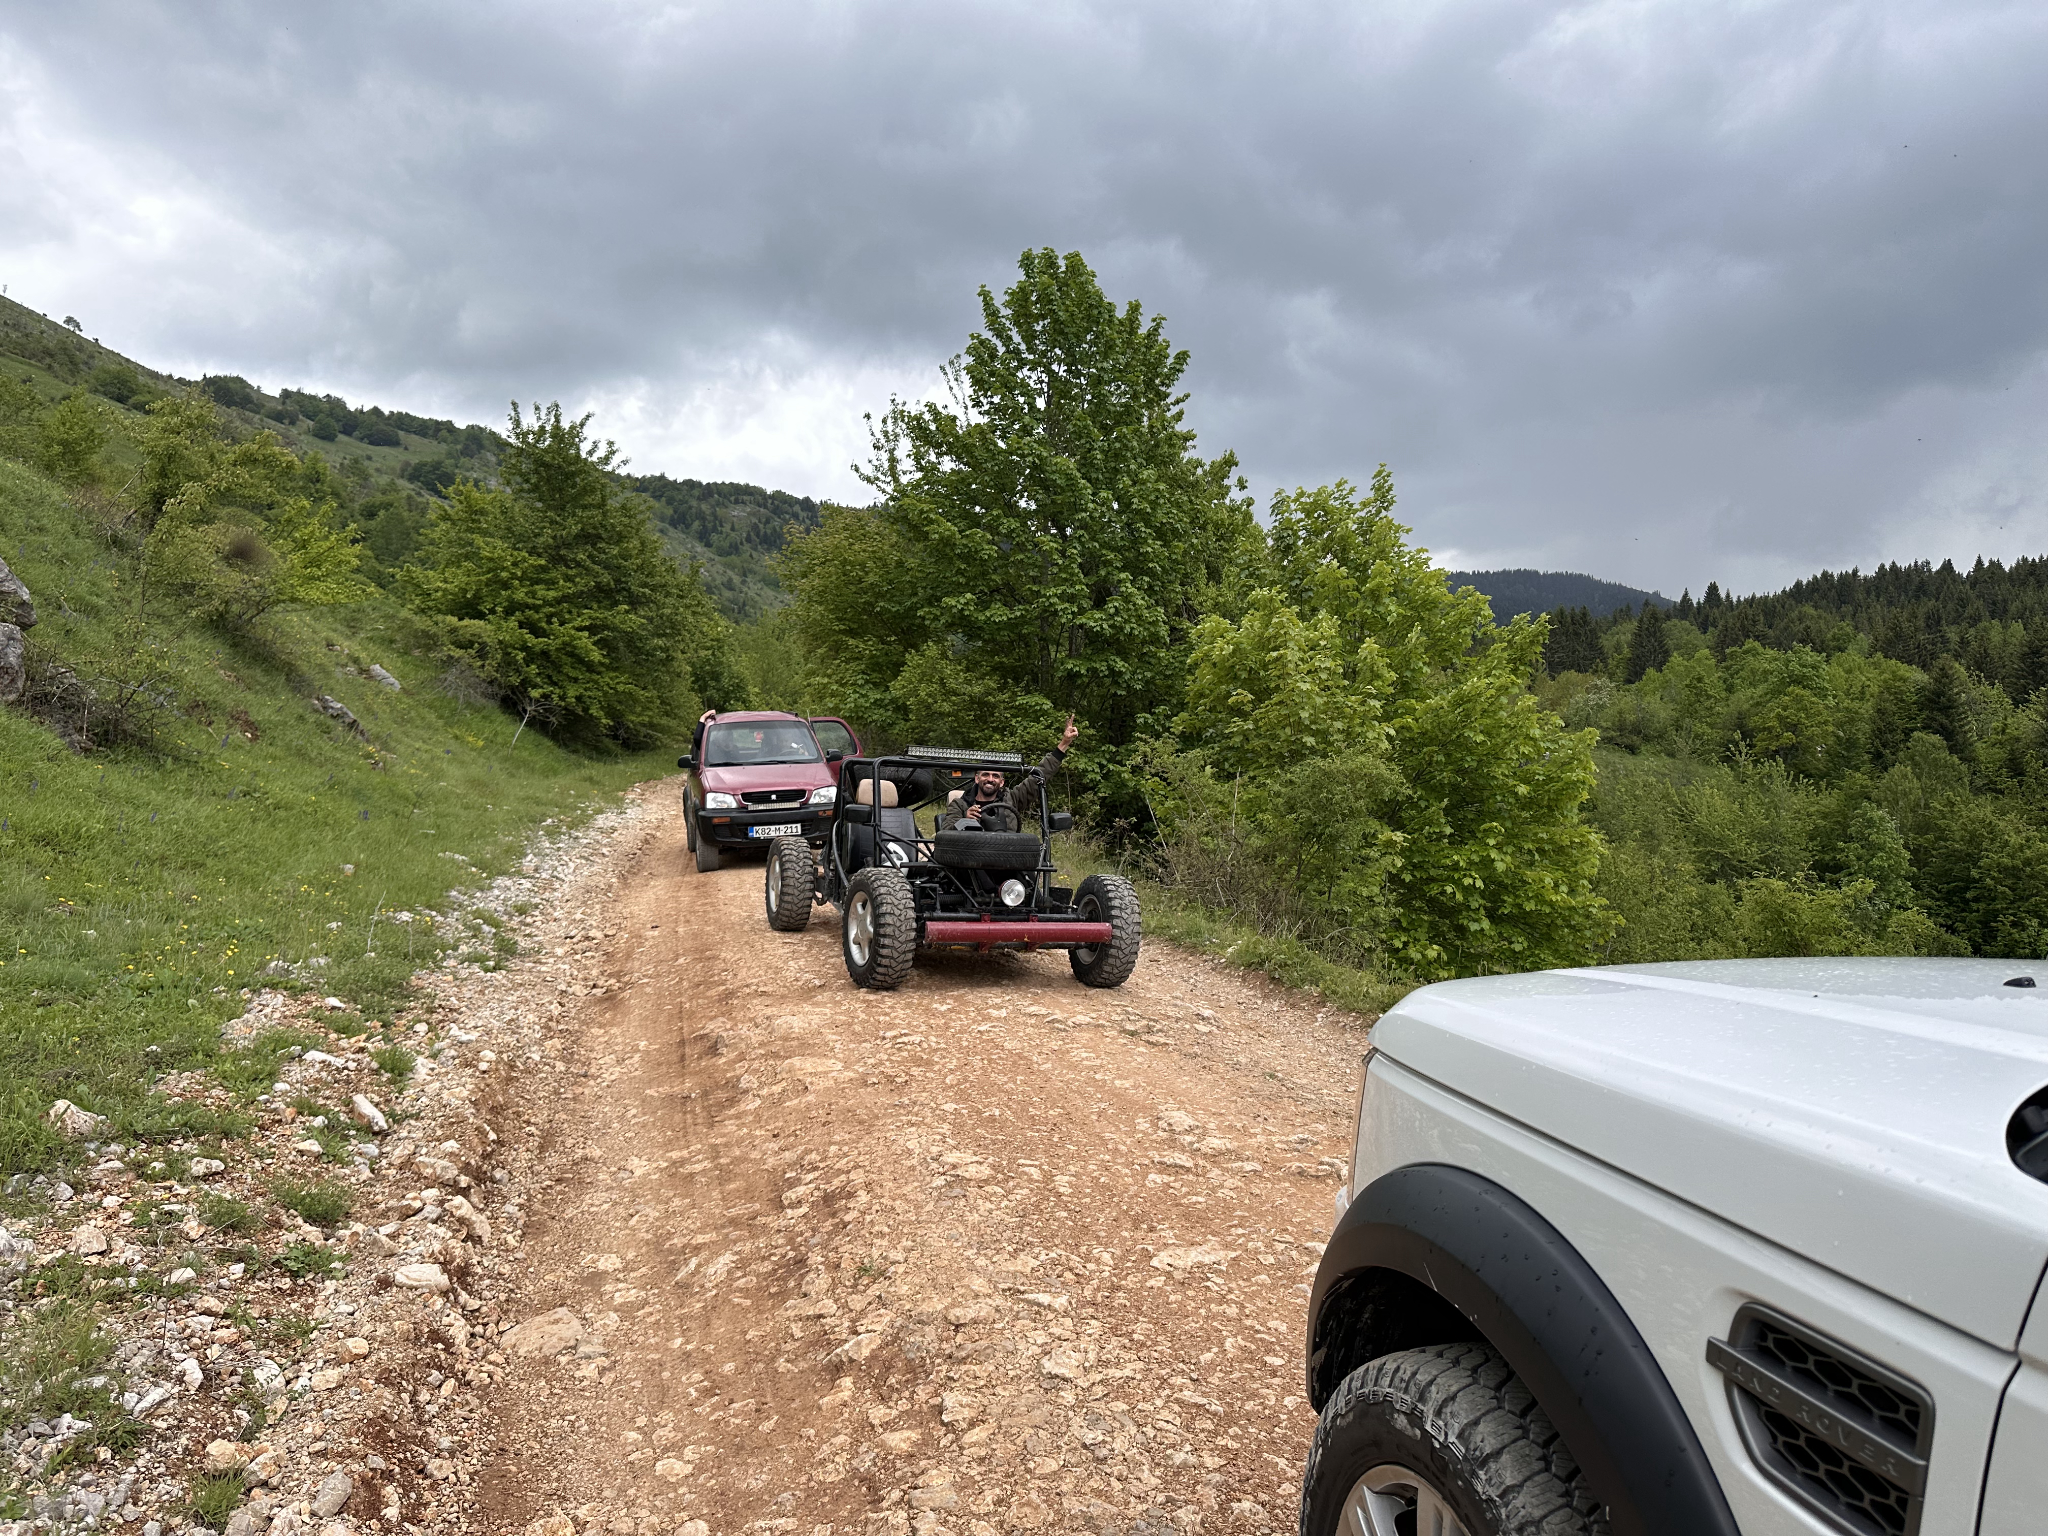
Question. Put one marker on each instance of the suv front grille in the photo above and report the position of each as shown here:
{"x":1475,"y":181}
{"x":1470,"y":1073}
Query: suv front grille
{"x":774,"y":796}
{"x":1840,"y":1433}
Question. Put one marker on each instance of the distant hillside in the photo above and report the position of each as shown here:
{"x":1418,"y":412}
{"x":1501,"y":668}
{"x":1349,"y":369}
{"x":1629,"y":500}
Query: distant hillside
{"x":1513,"y":592}
{"x":395,"y":465}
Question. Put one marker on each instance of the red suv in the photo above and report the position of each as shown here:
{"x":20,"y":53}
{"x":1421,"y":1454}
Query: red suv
{"x":760,"y":774}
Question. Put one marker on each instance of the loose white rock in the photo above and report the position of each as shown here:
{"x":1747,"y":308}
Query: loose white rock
{"x":89,"y":1240}
{"x":190,"y":1373}
{"x":333,"y":1494}
{"x":369,"y":1114}
{"x":207,"y":1167}
{"x":73,"y":1121}
{"x":420,"y":1277}
{"x":180,"y":1276}
{"x":548,"y":1334}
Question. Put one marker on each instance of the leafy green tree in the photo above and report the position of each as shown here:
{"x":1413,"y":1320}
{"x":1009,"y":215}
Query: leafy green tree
{"x":71,"y":438}
{"x":557,"y":589}
{"x":1363,"y":653}
{"x":21,"y":417}
{"x":1065,"y":529}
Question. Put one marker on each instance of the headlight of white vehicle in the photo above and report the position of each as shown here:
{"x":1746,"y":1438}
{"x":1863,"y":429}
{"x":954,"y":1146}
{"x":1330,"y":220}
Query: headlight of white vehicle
{"x":719,"y":800}
{"x":824,"y":794}
{"x":1013,"y":893}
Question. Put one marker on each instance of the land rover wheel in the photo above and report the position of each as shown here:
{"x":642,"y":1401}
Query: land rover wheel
{"x":1443,"y":1439}
{"x":791,"y":882}
{"x":1108,"y":899}
{"x":878,"y":929}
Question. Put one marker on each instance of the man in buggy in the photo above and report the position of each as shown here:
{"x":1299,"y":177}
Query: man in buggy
{"x":988,"y":805}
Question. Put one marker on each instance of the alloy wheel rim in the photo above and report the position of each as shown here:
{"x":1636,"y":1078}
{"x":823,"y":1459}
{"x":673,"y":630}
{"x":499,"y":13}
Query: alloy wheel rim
{"x":860,"y":927}
{"x":1391,"y":1500}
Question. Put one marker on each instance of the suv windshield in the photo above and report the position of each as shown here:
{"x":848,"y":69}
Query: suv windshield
{"x":736,"y":743}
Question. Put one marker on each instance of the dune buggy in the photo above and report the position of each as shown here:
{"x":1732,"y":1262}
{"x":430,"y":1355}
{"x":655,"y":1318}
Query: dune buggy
{"x":901,"y":889}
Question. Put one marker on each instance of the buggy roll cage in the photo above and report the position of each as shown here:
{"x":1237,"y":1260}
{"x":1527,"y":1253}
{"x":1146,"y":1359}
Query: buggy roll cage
{"x":849,"y":813}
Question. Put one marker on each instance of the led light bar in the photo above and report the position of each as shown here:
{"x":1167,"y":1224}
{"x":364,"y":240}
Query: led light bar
{"x":948,"y":753}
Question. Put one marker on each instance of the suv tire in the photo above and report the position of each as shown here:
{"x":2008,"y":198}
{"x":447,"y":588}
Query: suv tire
{"x":878,"y":929}
{"x":689,"y":821}
{"x":1448,"y":1430}
{"x":790,"y":884}
{"x":707,"y":856}
{"x":1111,"y":899}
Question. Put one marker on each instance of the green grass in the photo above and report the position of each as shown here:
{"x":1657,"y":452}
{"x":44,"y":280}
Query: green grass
{"x":300,"y":1260}
{"x":224,"y":1213}
{"x":142,"y":890}
{"x":394,"y":1061}
{"x":212,"y":1496}
{"x":322,"y":1202}
{"x":1190,"y":924}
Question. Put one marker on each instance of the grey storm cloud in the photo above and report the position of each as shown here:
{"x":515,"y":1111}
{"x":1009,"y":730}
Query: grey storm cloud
{"x":1664,"y":291}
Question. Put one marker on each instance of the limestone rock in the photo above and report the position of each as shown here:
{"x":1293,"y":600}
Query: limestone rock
{"x":191,"y":1373}
{"x":227,"y":1456}
{"x":208,"y":1167}
{"x":380,"y":675}
{"x":548,"y":1334}
{"x":420,"y":1277}
{"x":16,"y":606}
{"x":369,"y":1114}
{"x":474,"y":1220}
{"x":89,"y":1240}
{"x":73,"y":1121}
{"x":899,"y":1442}
{"x":13,"y":664}
{"x":333,"y":1495}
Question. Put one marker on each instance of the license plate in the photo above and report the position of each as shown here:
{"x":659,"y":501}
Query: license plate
{"x":785,"y":829}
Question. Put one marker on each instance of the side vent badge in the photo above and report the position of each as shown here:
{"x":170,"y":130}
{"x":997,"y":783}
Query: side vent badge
{"x":1840,"y":1433}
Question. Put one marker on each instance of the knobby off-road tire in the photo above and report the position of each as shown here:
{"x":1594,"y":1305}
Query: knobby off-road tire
{"x":878,"y":929}
{"x":790,"y":884}
{"x":1445,"y":1429}
{"x":1110,"y":899}
{"x":707,"y":856}
{"x":986,"y":850}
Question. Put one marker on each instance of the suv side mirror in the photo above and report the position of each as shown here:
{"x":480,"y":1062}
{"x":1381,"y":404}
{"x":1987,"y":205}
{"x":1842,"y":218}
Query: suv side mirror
{"x":686,"y":761}
{"x":1060,"y":821}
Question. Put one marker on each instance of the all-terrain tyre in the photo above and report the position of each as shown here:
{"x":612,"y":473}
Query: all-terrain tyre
{"x":1422,"y":1438}
{"x":1110,"y":899}
{"x":791,"y":883}
{"x":986,"y":850}
{"x":707,"y":856}
{"x":878,"y":929}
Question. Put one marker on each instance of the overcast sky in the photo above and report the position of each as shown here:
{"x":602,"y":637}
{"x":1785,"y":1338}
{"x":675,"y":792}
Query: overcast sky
{"x":1663,"y":292}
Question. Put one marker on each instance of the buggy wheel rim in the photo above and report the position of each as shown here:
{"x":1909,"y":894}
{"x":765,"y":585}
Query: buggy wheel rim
{"x":1091,"y":912}
{"x":1391,"y":1499}
{"x":860,"y":927}
{"x":774,"y":880}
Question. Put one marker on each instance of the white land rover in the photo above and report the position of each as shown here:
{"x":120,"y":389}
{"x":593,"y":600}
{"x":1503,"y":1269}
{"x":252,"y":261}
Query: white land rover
{"x":1749,"y":1246}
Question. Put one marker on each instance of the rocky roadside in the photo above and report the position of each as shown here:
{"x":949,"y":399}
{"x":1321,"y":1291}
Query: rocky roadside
{"x":294,"y":1328}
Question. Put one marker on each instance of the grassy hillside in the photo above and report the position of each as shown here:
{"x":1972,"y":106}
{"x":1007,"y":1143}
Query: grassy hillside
{"x":251,"y":839}
{"x":392,"y":467}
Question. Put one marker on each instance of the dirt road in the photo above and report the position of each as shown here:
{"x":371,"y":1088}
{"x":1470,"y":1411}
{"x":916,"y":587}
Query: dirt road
{"x":991,"y":1253}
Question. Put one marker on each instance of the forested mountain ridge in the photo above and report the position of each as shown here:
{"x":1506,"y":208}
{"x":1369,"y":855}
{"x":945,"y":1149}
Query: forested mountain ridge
{"x":394,"y":467}
{"x":1527,"y":591}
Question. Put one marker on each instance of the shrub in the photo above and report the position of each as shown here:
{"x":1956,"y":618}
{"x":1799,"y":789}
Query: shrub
{"x":212,"y":1497}
{"x":301,"y":1260}
{"x":224,"y":1213}
{"x":321,"y":1202}
{"x":394,"y":1061}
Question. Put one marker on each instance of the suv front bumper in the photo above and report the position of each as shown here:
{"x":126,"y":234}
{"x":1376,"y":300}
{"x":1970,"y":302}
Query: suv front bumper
{"x":735,"y":829}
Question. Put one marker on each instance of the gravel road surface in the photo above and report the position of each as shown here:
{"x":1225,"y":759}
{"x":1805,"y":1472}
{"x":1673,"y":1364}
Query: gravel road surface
{"x":993,"y":1253}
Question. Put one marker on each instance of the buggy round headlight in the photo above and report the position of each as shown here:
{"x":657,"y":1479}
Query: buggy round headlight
{"x":1013,"y":891}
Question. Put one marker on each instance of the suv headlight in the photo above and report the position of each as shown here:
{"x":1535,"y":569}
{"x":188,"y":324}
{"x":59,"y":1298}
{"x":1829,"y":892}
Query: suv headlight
{"x":824,"y":794}
{"x":719,"y":800}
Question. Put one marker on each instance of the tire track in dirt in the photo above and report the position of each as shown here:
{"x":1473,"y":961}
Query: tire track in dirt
{"x":992,"y":1253}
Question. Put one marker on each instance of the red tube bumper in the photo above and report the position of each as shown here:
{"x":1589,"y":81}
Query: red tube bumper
{"x":1031,"y":932}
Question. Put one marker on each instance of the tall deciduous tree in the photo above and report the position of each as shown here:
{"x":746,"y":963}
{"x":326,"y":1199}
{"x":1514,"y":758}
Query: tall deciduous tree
{"x":1362,"y":654}
{"x":557,"y":589}
{"x":1066,"y":531}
